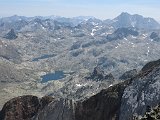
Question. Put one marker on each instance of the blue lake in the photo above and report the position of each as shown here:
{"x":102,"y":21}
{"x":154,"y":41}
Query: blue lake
{"x":43,"y":57}
{"x":53,"y":76}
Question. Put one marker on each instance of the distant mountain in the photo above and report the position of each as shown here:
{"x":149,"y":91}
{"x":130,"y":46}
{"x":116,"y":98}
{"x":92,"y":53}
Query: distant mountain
{"x":13,"y":18}
{"x":123,"y":20}
{"x":138,"y":21}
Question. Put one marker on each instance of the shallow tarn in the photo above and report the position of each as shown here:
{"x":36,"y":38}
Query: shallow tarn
{"x":57,"y":75}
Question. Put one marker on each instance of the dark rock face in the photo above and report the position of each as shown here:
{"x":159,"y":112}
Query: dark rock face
{"x":103,"y":106}
{"x":11,"y":35}
{"x":155,"y":36}
{"x":76,"y":45}
{"x":76,"y":53}
{"x":23,"y":108}
{"x":60,"y":109}
{"x":128,"y":74}
{"x":121,"y":33}
{"x":98,"y":74}
{"x":109,"y":77}
{"x":151,"y":65}
{"x":45,"y":101}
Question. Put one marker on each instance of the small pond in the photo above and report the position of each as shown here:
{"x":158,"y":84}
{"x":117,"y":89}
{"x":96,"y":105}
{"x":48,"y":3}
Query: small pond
{"x":53,"y":76}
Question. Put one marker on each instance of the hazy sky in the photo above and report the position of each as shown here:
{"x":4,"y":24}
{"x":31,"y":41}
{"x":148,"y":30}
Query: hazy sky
{"x":102,"y":9}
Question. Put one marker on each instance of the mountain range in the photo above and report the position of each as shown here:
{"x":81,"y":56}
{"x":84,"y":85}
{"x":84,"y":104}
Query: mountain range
{"x":86,"y":68}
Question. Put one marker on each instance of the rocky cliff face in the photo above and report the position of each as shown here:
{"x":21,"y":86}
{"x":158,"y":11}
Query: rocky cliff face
{"x":143,"y":91}
{"x":23,"y":108}
{"x":128,"y":75}
{"x":103,"y":106}
{"x":150,"y":114}
{"x":60,"y":109}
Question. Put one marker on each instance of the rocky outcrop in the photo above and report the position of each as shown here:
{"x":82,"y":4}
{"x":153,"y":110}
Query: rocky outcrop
{"x":155,"y":36}
{"x":151,"y":65}
{"x":98,"y":74}
{"x":109,"y":77}
{"x":121,"y":33}
{"x":128,"y":74}
{"x":11,"y":35}
{"x":23,"y":108}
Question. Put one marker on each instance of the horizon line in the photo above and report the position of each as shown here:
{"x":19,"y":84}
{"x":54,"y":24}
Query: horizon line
{"x":61,"y":16}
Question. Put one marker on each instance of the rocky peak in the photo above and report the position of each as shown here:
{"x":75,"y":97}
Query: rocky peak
{"x":138,"y":21}
{"x":98,"y":74}
{"x":11,"y":35}
{"x":123,"y":15}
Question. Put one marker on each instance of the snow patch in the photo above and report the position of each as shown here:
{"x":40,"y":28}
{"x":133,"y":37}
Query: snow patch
{"x":93,"y":30}
{"x":125,"y":39}
{"x":144,"y":35}
{"x":93,"y":23}
{"x":92,"y":34}
{"x":80,"y":85}
{"x":149,"y":20}
{"x":133,"y":23}
{"x":134,"y":37}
